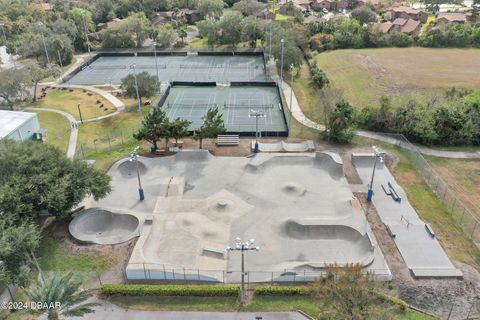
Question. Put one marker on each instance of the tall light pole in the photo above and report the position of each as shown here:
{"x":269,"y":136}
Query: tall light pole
{"x":136,"y":89}
{"x":134,"y":157}
{"x":281,"y":64}
{"x":243,"y":246}
{"x":86,"y":36}
{"x":156,"y":64}
{"x":291,"y":93}
{"x":257,"y":114}
{"x":377,"y":156}
{"x":43,"y":40}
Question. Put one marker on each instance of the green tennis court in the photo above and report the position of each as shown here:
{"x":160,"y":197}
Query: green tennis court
{"x":235,"y":103}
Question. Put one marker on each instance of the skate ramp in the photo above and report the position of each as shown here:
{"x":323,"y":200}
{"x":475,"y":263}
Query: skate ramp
{"x":128,"y":169}
{"x":331,"y":162}
{"x":100,"y":226}
{"x":193,"y":155}
{"x":282,"y":146}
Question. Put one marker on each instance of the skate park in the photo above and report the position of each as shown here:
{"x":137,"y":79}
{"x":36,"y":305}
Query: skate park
{"x":297,"y":206}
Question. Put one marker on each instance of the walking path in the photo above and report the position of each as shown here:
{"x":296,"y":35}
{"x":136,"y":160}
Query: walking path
{"x":108,"y":310}
{"x":72,"y":144}
{"x":298,"y":114}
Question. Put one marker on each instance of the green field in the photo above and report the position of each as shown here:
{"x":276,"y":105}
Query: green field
{"x":365,"y":75}
{"x":57,"y":126}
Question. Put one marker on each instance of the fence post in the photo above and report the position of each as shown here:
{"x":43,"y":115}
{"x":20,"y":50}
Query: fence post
{"x":99,"y":278}
{"x":461,"y":219}
{"x":198,"y":274}
{"x":184,"y":275}
{"x":164,"y":272}
{"x":144,"y":271}
{"x":473,"y":231}
{"x":83,"y":153}
{"x":453,"y":204}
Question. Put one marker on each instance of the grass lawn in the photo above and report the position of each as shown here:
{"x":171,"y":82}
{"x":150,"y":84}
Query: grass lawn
{"x":257,"y":304}
{"x":282,"y":17}
{"x":109,"y":140}
{"x":53,"y":257}
{"x":365,"y":75}
{"x":67,"y":101}
{"x":463,"y":177}
{"x":57,"y":126}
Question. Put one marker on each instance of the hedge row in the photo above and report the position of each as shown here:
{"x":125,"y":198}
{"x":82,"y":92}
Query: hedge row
{"x":169,"y":290}
{"x":281,"y":290}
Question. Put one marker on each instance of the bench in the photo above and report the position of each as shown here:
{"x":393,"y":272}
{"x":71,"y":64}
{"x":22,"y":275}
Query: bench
{"x":178,"y":144}
{"x":228,"y":140}
{"x":160,"y":151}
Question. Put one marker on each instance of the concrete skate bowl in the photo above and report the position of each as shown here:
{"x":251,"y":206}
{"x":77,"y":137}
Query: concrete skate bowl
{"x":293,"y":189}
{"x":100,"y":226}
{"x":331,"y":162}
{"x":330,"y":232}
{"x":128,"y":169}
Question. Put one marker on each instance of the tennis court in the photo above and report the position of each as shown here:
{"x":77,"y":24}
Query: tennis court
{"x":235,"y":103}
{"x":111,"y":69}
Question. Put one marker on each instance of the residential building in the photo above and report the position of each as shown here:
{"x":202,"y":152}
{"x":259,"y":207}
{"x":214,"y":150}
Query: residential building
{"x":408,"y":13}
{"x":444,"y":18}
{"x":19,"y":126}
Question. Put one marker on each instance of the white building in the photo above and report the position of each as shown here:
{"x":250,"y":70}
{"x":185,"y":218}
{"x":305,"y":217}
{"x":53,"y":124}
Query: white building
{"x":19,"y":126}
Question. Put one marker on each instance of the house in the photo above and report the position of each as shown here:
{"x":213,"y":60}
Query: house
{"x":108,"y":24}
{"x":408,"y":13}
{"x":20,"y":126}
{"x":322,"y":4}
{"x":190,"y":16}
{"x":409,"y":26}
{"x":302,"y":4}
{"x":385,"y":27}
{"x":444,"y":18}
{"x":159,"y":18}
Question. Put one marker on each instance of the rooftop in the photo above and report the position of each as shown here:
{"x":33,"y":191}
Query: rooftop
{"x":453,"y":16}
{"x":405,"y":9}
{"x":11,"y":120}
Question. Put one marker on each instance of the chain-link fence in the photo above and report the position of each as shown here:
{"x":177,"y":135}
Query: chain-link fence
{"x":108,"y":142}
{"x":459,"y":211}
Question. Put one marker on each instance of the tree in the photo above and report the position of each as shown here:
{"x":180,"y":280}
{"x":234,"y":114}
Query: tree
{"x":319,"y":77}
{"x":38,"y":179}
{"x":117,"y":37}
{"x":17,"y":242}
{"x":230,"y":25}
{"x":38,"y":73}
{"x":139,"y":24}
{"x":249,"y":7}
{"x":155,"y":126}
{"x":64,"y":291}
{"x":364,"y":15}
{"x":147,"y":85}
{"x":348,"y":293}
{"x":14,"y":85}
{"x":104,"y":11}
{"x":82,"y":18}
{"x":182,"y":33}
{"x":210,"y":8}
{"x":166,"y":36}
{"x":400,"y":39}
{"x":212,"y":126}
{"x":179,"y":128}
{"x":209,"y":28}
{"x":252,"y":30}
{"x":341,"y":123}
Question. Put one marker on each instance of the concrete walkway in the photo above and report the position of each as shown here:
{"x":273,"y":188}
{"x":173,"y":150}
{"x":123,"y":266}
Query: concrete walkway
{"x":110,"y":311}
{"x":72,"y":144}
{"x":298,"y":114}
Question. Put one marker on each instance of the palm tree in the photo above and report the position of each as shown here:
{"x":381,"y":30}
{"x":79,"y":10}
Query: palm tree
{"x":63,"y":291}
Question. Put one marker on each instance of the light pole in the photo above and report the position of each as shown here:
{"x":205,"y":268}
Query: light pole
{"x":243,"y":246}
{"x":291,"y":93}
{"x":257,"y":114}
{"x":43,"y":40}
{"x":136,"y":89}
{"x":377,"y":155}
{"x":281,"y":64}
{"x":86,"y":36}
{"x":60,"y":59}
{"x":134,"y":157}
{"x":156,"y":64}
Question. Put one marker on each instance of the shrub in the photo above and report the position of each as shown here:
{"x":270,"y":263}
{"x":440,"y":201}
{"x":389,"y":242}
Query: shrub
{"x":169,"y":290}
{"x":319,"y":77}
{"x":400,"y":39}
{"x":281,"y":291}
{"x":402,"y":305}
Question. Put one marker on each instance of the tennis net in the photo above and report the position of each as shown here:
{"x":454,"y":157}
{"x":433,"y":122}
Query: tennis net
{"x":124,"y":67}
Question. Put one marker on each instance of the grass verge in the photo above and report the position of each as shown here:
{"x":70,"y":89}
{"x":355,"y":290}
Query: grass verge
{"x":53,"y":257}
{"x":66,"y":100}
{"x":57,"y":126}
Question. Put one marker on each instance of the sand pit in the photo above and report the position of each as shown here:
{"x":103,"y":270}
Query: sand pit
{"x":298,"y":207}
{"x":103,"y":227}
